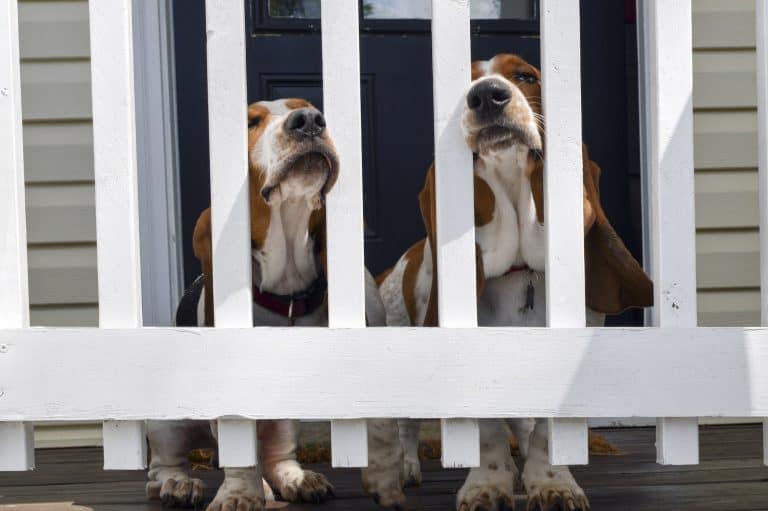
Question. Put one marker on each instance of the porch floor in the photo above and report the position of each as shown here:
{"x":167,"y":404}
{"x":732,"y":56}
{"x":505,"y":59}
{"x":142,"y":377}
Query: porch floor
{"x":731,"y":477}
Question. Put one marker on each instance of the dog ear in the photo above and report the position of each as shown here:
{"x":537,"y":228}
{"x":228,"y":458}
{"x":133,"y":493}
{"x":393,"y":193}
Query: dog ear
{"x":428,"y":214}
{"x":203,"y":249}
{"x":615,"y":280}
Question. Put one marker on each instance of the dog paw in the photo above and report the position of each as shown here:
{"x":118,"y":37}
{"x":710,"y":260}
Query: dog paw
{"x":557,"y":497}
{"x":236,"y":500}
{"x":486,"y":498}
{"x":487,"y":490}
{"x":385,"y":487}
{"x":236,"y":503}
{"x":180,"y":493}
{"x":383,"y":480}
{"x":393,"y":500}
{"x":307,"y":486}
{"x":239,"y":494}
{"x":412,"y":472}
{"x":556,"y":490}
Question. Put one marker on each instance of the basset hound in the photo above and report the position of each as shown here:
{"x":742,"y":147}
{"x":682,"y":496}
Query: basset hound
{"x":293,"y":165}
{"x":503,"y":126}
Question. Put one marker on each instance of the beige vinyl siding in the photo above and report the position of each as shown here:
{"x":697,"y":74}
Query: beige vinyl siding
{"x":58,"y":153}
{"x":725,"y":147}
{"x":58,"y":157}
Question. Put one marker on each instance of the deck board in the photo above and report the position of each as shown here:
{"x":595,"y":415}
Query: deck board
{"x":731,"y":477}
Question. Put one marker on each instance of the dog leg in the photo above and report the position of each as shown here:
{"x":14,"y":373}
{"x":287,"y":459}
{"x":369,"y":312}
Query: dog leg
{"x":170,"y":443}
{"x":383,"y":478}
{"x":522,"y":429}
{"x":409,"y":437}
{"x":490,"y":486}
{"x":278,"y":447}
{"x":549,"y":487}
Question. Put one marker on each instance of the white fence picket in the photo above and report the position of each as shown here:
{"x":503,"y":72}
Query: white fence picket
{"x":761,"y":38}
{"x":230,"y":217}
{"x":117,"y":216}
{"x":17,"y":446}
{"x":564,"y":196}
{"x":349,"y":443}
{"x":127,"y":441}
{"x":238,"y":442}
{"x":346,"y":284}
{"x":456,"y":286}
{"x":669,"y":124}
{"x":16,"y":452}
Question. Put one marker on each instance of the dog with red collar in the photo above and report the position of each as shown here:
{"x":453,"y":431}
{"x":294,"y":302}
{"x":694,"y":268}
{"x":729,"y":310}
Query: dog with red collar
{"x":293,"y":165}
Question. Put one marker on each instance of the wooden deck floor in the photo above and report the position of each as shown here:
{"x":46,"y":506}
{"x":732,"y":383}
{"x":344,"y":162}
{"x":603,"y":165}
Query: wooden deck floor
{"x":730,"y":478}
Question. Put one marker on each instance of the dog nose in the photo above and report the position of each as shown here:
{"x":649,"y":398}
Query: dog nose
{"x":488,"y":97}
{"x":306,"y":122}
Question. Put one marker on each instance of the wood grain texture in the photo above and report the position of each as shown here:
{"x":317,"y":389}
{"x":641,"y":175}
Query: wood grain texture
{"x":730,"y":476}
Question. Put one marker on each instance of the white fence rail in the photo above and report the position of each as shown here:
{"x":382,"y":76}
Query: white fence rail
{"x":119,"y":373}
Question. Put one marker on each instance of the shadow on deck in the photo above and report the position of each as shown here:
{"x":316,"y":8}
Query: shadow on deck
{"x":731,"y":477}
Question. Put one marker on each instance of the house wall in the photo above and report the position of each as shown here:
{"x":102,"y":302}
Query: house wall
{"x":56,"y":107}
{"x":58,"y":155}
{"x":725,"y":145}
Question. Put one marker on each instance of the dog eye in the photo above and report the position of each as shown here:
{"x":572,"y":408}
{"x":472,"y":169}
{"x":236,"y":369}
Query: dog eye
{"x":525,"y":77}
{"x":252,"y":123}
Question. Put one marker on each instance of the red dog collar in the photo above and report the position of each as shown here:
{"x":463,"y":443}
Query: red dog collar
{"x":515,"y":269}
{"x":296,"y":305}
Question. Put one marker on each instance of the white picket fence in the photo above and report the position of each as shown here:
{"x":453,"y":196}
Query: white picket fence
{"x":123,"y":374}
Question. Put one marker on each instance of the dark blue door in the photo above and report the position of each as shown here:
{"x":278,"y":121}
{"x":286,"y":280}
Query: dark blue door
{"x":284,"y":60}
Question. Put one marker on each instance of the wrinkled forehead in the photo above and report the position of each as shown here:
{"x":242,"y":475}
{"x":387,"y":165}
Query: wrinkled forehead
{"x":504,"y":64}
{"x":276,"y":108}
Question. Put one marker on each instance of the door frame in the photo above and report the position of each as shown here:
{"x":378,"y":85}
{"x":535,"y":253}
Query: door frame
{"x":157,"y":156}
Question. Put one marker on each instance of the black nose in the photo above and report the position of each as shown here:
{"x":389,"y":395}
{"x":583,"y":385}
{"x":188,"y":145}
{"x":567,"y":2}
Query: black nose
{"x":488,"y":97}
{"x":306,"y":122}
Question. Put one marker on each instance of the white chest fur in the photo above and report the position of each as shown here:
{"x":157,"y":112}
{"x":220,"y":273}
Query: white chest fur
{"x":286,"y":263}
{"x":514,"y":235}
{"x":504,"y":300}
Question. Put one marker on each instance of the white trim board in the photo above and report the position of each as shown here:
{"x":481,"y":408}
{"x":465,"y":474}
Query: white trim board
{"x":363,"y":373}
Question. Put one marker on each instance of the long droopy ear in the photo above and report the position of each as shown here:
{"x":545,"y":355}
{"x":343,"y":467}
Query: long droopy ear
{"x":614,"y":279}
{"x":429,"y":216}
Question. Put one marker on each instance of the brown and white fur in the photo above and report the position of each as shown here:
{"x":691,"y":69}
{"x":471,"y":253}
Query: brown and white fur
{"x":292,"y":166}
{"x":503,"y":127}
